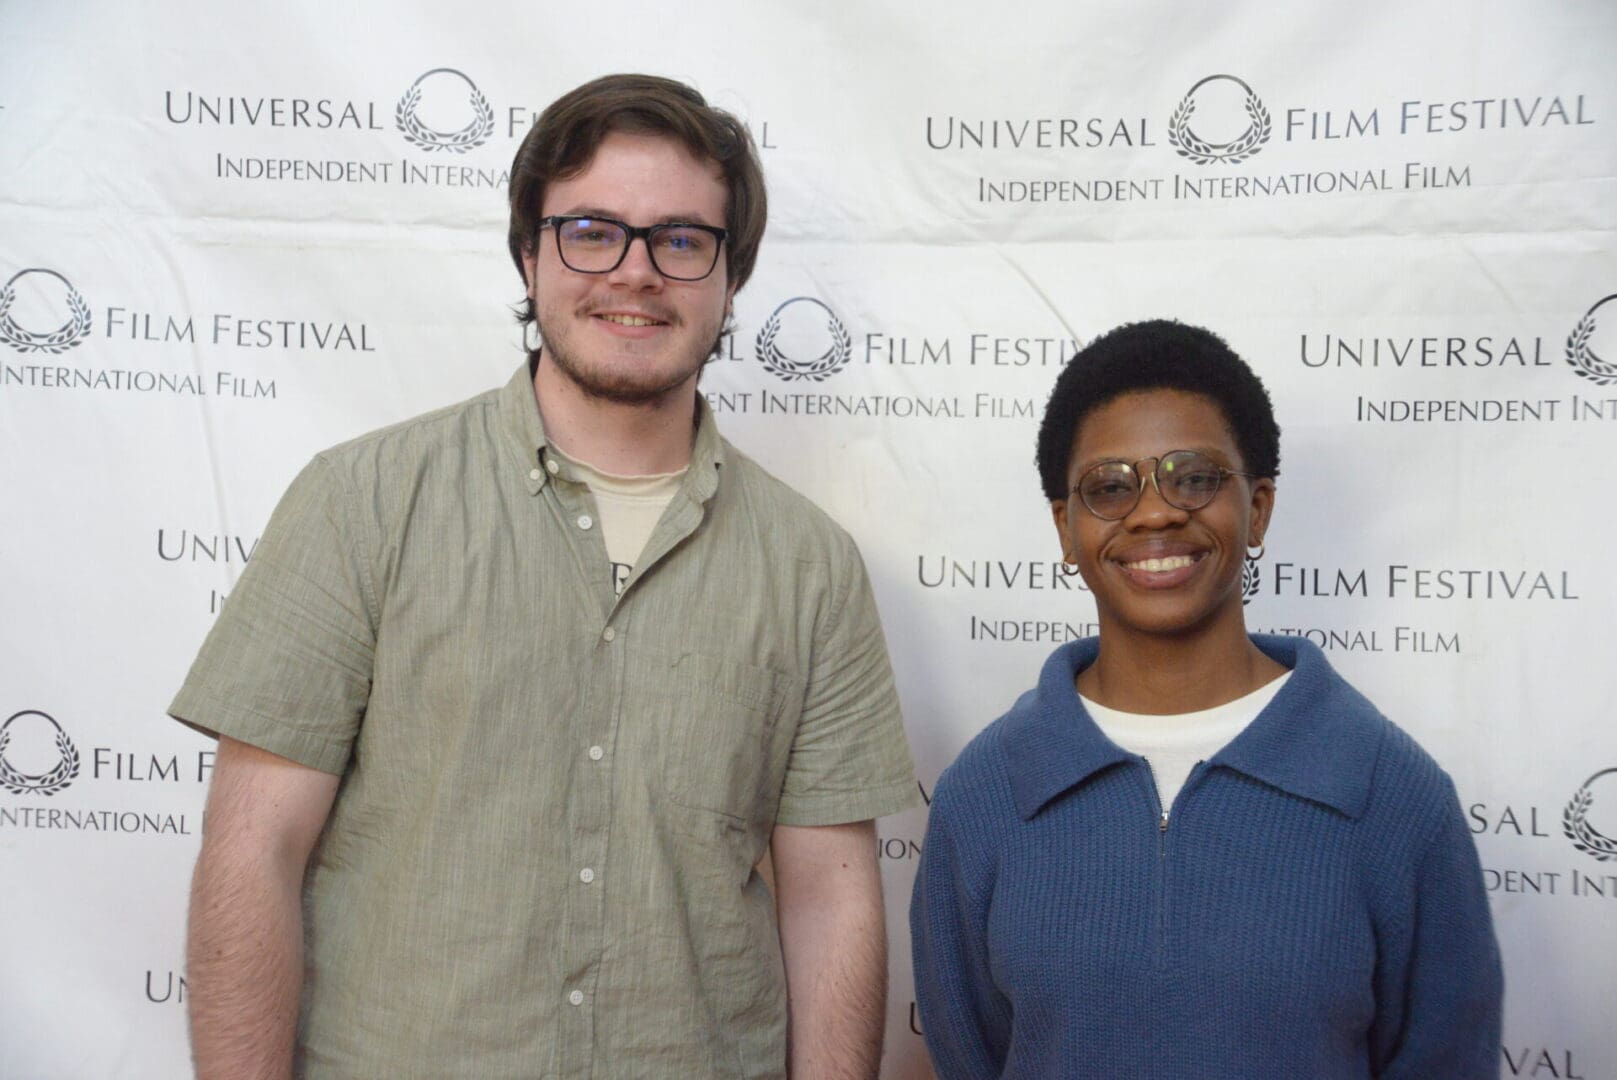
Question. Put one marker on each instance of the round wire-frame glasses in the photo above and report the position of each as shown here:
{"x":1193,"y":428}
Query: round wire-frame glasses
{"x":1184,"y":479}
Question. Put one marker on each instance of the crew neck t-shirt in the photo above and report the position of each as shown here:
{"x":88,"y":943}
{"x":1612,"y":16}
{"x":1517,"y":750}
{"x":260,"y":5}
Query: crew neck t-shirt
{"x":1175,"y":744}
{"x":629,"y":508}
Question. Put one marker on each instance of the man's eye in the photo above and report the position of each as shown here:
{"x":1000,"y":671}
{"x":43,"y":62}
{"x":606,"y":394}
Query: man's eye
{"x":589,"y":233}
{"x":682,"y":241}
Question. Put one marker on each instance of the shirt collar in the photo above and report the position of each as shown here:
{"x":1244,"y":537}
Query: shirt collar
{"x":525,"y":431}
{"x":1313,"y":740}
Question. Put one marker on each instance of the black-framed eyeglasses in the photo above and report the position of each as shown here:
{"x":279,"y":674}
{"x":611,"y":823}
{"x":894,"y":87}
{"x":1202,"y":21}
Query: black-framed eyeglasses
{"x":1186,"y":479}
{"x":681,"y":250}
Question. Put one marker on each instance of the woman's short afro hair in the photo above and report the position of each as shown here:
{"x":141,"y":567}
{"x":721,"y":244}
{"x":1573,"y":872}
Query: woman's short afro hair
{"x":1159,"y":354}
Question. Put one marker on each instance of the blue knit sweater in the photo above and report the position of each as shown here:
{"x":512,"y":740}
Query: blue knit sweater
{"x":1312,"y":910}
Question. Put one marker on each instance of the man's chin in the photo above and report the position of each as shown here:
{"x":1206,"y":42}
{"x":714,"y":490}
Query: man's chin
{"x":631,"y":393}
{"x":637,"y":384}
{"x":637,"y":387}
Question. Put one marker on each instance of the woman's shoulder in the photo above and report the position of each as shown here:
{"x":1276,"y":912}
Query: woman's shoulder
{"x":1344,"y":750}
{"x":977,"y":784}
{"x":1409,"y":783}
{"x":1406,"y":783}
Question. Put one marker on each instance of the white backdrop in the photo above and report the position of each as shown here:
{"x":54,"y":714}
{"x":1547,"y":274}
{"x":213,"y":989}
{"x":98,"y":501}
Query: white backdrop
{"x":226,"y":251}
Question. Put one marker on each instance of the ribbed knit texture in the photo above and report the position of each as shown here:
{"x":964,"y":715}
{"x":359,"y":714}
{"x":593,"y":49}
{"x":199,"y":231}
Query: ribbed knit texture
{"x":1315,"y":909}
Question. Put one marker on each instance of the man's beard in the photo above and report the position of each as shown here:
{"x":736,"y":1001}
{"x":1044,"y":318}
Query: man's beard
{"x":624,"y":385}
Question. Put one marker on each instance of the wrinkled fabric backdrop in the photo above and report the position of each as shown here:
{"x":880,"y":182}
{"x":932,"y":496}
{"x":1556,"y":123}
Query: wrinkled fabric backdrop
{"x":234,"y":237}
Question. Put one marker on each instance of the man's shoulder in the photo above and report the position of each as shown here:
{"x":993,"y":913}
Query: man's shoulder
{"x":417,"y":441}
{"x":776,"y":505}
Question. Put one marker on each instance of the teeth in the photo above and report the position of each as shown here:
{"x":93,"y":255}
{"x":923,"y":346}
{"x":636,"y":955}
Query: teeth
{"x":1172,"y":562}
{"x":630,"y":320}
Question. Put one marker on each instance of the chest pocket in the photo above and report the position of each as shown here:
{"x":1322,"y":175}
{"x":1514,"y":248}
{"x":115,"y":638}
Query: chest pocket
{"x":715,"y":731}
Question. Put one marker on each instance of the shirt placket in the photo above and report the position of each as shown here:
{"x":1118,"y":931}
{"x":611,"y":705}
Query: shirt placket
{"x":592,"y":741}
{"x":589,"y":802}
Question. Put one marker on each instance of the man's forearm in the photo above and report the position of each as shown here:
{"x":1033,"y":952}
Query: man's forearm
{"x":839,"y":1004}
{"x":833,"y":935}
{"x":244,"y":967}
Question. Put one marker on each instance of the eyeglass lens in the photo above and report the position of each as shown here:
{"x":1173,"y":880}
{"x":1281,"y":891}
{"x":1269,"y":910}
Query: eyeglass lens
{"x":1187,"y":480}
{"x":593,"y":246}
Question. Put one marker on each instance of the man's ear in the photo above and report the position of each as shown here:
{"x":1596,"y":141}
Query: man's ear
{"x":530,"y":267}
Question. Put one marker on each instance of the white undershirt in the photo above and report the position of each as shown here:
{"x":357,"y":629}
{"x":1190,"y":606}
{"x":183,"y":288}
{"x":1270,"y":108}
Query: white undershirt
{"x":629,"y":508}
{"x":1174,"y":745}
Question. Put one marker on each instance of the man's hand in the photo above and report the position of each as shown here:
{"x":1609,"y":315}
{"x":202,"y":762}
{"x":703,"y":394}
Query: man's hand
{"x":833,"y":939}
{"x":244,"y":964}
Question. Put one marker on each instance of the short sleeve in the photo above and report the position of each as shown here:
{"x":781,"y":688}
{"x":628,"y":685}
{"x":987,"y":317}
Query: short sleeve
{"x":849,"y":759}
{"x":287,"y":666}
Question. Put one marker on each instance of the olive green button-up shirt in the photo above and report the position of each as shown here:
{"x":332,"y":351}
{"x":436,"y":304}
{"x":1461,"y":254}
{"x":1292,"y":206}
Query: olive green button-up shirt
{"x":541,"y":857}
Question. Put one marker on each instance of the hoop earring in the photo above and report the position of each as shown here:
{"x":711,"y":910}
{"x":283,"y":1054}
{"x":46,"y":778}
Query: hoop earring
{"x":1068,"y":568}
{"x":1254,"y":558}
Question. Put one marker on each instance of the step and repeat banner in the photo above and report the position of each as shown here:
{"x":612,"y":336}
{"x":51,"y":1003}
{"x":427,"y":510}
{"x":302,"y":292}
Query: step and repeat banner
{"x":233,"y":237}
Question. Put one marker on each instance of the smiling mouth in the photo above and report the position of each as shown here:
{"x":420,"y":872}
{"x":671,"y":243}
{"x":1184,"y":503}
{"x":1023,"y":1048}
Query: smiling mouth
{"x":630,"y":320}
{"x":1171,"y":562}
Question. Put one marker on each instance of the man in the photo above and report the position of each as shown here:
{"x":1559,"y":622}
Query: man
{"x":514,"y":696}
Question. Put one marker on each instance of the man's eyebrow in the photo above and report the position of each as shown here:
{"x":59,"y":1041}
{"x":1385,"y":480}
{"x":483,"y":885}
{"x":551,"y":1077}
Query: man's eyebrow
{"x":690,"y":217}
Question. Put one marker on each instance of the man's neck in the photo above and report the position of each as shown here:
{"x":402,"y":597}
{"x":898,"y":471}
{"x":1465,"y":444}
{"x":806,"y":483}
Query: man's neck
{"x":627,"y":440}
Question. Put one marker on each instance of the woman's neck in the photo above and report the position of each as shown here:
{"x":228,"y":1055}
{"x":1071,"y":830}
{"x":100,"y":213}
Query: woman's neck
{"x":1157,"y":674}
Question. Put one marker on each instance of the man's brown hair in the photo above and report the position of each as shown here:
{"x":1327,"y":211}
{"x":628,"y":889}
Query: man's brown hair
{"x":565,"y":139}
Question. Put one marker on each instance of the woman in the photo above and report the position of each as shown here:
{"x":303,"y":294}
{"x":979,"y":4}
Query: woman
{"x":1188,"y":852}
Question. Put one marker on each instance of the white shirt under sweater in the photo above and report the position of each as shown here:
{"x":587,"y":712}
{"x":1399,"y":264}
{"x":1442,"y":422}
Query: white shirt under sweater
{"x":1173,"y":745}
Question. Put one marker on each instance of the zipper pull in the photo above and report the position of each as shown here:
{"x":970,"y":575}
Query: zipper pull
{"x":1162,"y":825}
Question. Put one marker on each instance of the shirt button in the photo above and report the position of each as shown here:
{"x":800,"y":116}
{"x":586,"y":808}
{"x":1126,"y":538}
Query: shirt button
{"x":576,"y":998}
{"x":585,"y":521}
{"x":552,"y":466}
{"x":596,"y":753}
{"x":586,"y":875}
{"x":533,"y":474}
{"x":609,"y":634}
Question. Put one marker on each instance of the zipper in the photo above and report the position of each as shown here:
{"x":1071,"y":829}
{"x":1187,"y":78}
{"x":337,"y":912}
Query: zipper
{"x":1156,"y":795}
{"x":1159,"y":916}
{"x":1161,"y":927}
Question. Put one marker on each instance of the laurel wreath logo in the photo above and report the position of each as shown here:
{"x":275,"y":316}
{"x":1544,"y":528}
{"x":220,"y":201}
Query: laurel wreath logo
{"x":63,"y":338}
{"x":1251,"y":580}
{"x":474,"y":134}
{"x":1575,"y":823}
{"x":20,"y":783}
{"x":1582,"y":358}
{"x":1188,"y":144}
{"x":820,"y":368}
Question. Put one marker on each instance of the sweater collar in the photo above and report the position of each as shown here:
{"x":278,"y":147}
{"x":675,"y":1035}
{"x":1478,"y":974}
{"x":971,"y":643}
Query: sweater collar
{"x":1313,"y":740}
